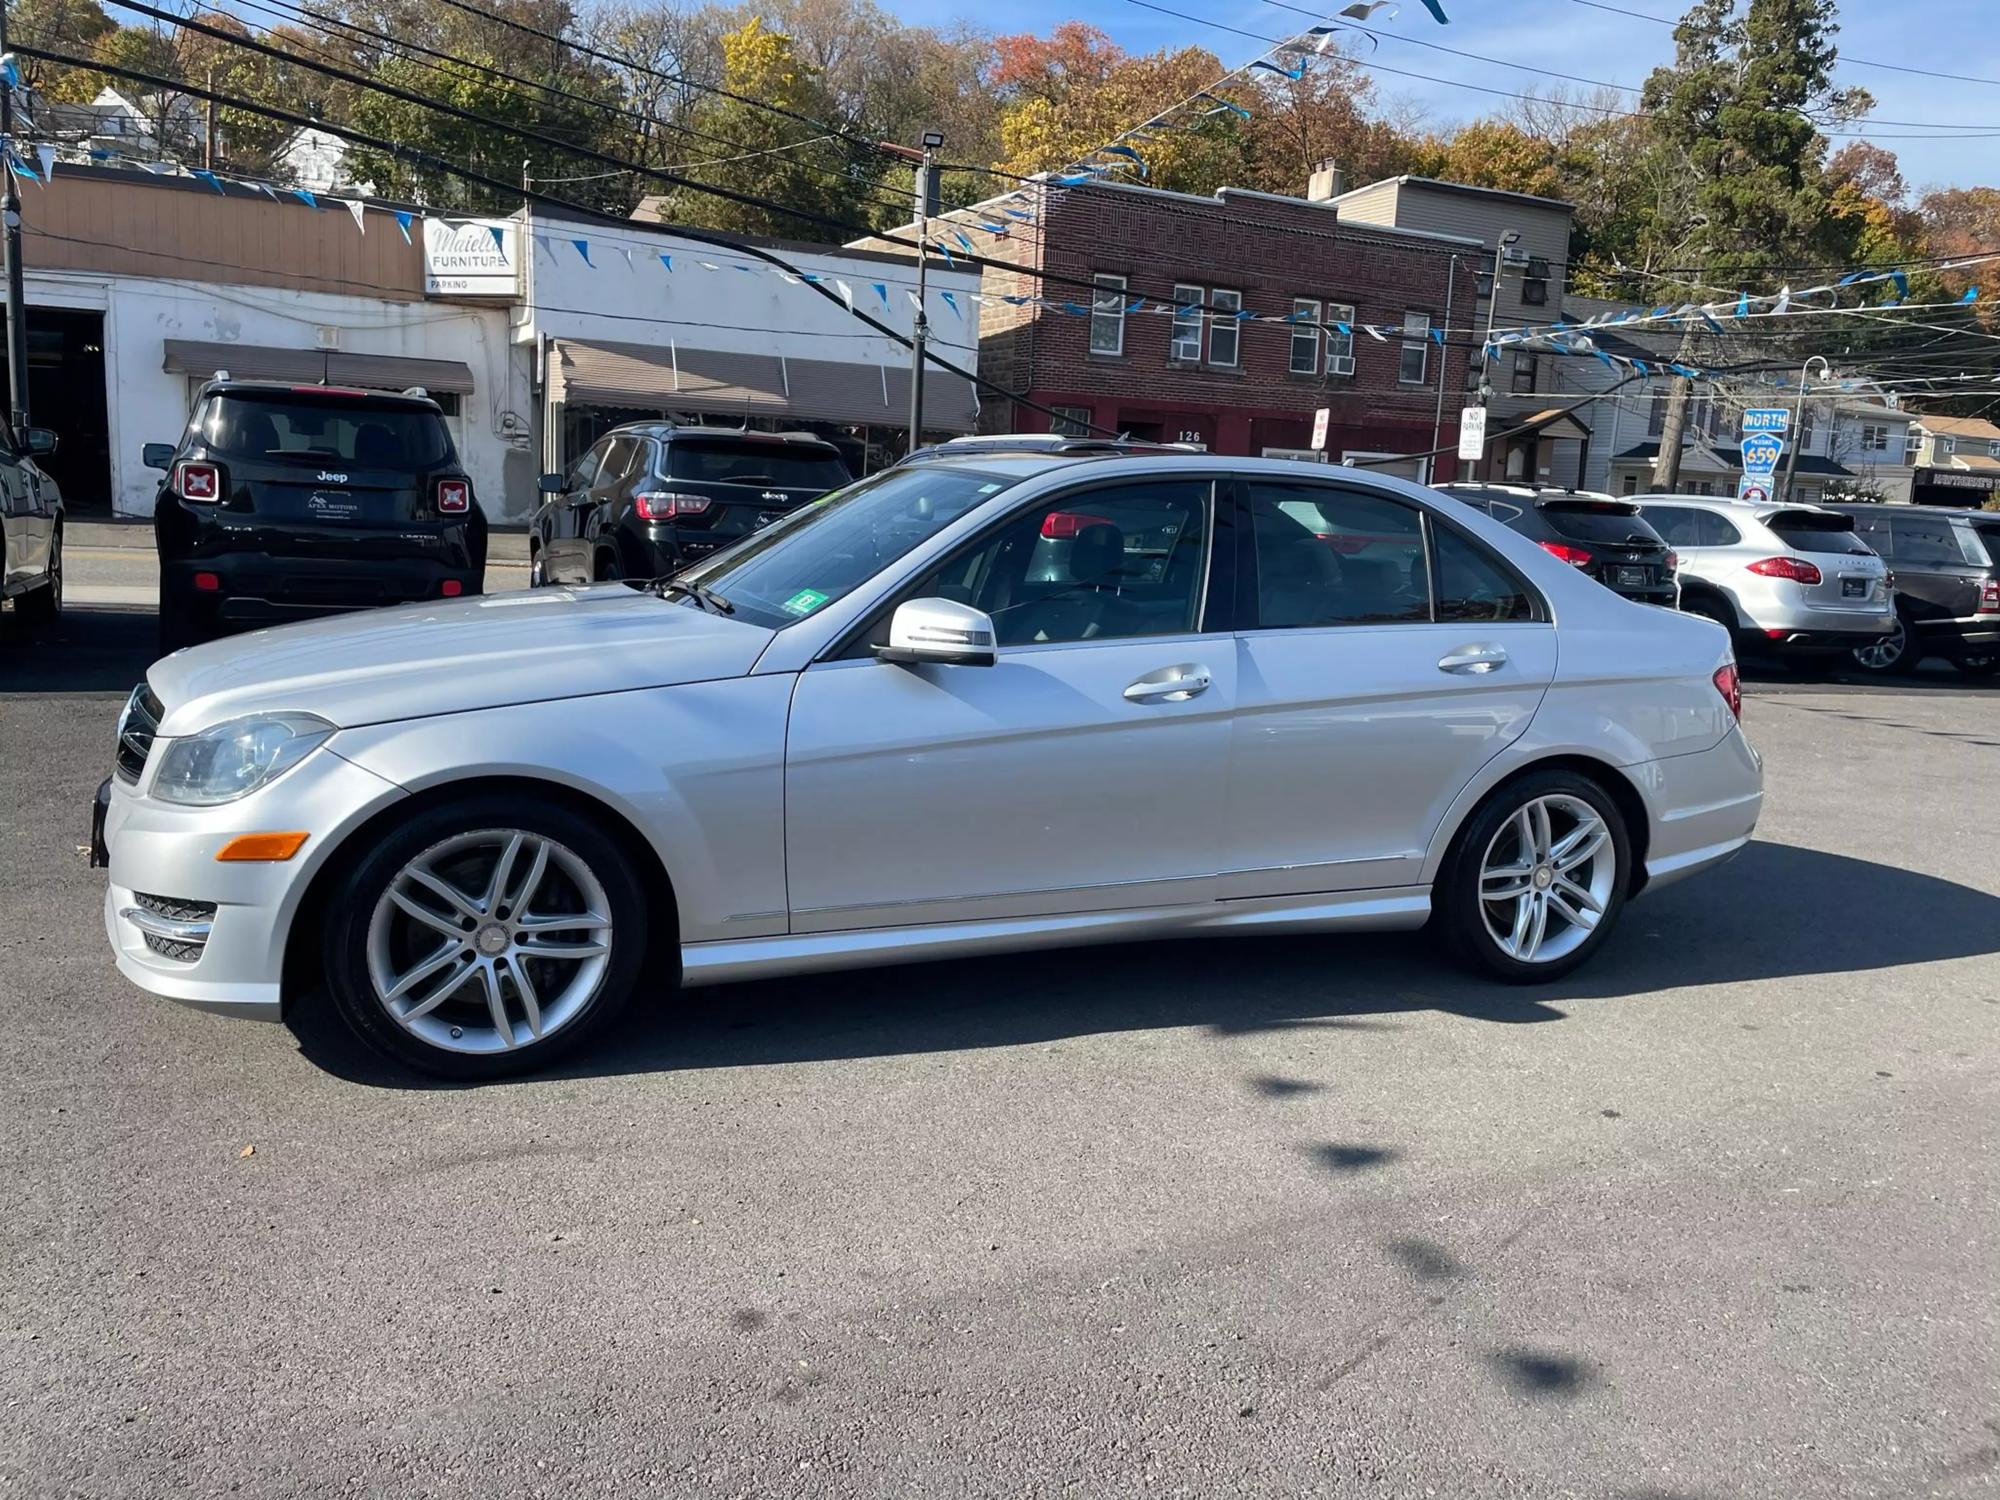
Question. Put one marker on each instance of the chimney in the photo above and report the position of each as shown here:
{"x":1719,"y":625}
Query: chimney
{"x":1325,"y":182}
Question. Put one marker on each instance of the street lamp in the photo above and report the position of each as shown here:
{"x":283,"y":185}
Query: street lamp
{"x":1798,"y":419}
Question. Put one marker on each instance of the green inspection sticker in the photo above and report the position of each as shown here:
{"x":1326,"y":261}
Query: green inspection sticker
{"x":804,"y":602}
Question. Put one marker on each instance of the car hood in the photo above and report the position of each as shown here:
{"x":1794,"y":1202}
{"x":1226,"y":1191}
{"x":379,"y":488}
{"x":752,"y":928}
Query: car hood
{"x":454,"y":655}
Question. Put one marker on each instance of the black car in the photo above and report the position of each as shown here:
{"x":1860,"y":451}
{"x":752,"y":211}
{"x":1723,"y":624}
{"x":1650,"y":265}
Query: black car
{"x":31,"y":526}
{"x":282,"y":502}
{"x":1946,"y":566}
{"x":650,"y":497}
{"x":1599,"y":535}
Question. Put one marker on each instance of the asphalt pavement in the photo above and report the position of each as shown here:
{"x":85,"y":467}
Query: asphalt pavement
{"x":1716,"y":1217}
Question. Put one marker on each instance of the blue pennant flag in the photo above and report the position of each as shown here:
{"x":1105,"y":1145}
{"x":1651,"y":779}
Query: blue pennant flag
{"x":964,"y":243}
{"x":882,"y":291}
{"x":210,"y":178}
{"x":403,"y":217}
{"x":9,"y":72}
{"x":951,"y":301}
{"x":499,"y":236}
{"x":1709,"y":318}
{"x":945,"y":250}
{"x":1071,"y":307}
{"x":583,"y":249}
{"x":1189,"y":311}
{"x":1020,"y":213}
{"x":1853,"y":276}
{"x":1016,"y":300}
{"x":23,"y":168}
{"x":1222,"y":104}
{"x":1272,"y":67}
{"x":666,"y":260}
{"x":811,"y":276}
{"x":1640,"y":366}
{"x":1437,"y":9}
{"x":1135,"y":157}
{"x":1437,"y":334}
{"x":991,"y":228}
{"x":1072,"y":179}
{"x":1244,"y":313}
{"x":1606,"y":358}
{"x":1971,"y":295}
{"x":1902,"y":280}
{"x":1742,"y":304}
{"x":305,"y":197}
{"x":1137,"y":304}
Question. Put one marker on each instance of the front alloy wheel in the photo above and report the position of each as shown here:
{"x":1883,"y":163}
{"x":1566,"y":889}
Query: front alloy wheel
{"x":1887,"y":653}
{"x":1537,"y":877}
{"x":486,"y":936}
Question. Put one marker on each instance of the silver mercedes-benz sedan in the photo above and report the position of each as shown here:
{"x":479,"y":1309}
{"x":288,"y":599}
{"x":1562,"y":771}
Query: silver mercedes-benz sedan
{"x":991,"y":699}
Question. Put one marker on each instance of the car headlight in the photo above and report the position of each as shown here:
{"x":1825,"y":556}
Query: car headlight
{"x":233,"y":759}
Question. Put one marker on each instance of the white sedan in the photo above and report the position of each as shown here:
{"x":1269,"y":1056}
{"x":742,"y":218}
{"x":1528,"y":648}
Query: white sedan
{"x":990,"y":699}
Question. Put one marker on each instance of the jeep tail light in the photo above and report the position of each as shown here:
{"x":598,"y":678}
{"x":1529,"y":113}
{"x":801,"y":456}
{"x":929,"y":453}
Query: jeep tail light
{"x":201,"y":483}
{"x":1730,"y":686}
{"x":1576,"y":557}
{"x":1673,"y":562}
{"x":1065,"y":525}
{"x":454,"y":497}
{"x":208,"y":583}
{"x":1989,"y":597}
{"x":664,"y":505}
{"x":451,"y":588}
{"x":1793,"y":568}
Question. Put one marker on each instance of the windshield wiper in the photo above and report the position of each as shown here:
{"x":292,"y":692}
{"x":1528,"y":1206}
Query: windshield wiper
{"x":701,"y":593}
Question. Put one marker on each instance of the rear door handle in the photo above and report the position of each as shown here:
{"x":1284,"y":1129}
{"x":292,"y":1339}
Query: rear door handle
{"x":1473,"y":661}
{"x":1170,"y":685}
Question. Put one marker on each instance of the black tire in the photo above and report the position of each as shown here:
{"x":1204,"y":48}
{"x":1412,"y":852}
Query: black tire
{"x":351,"y":905}
{"x":42,"y":605}
{"x":1709,"y":607}
{"x":178,"y":625}
{"x":1896,"y":656}
{"x":1978,"y":666}
{"x":538,"y":570}
{"x":1458,"y":911}
{"x":604,"y":567}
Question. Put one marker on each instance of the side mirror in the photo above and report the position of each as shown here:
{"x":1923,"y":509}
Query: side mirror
{"x":552,"y":484}
{"x":940,"y":631}
{"x":158,"y":455}
{"x":40,"y":440}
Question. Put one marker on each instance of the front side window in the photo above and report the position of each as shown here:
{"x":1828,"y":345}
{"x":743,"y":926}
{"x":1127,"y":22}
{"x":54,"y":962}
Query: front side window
{"x":1305,"y":336}
{"x":1107,"y":315}
{"x":1336,"y":557}
{"x":1186,"y":339}
{"x":1339,"y":338}
{"x":1416,"y":348}
{"x":1225,"y":333}
{"x":826,"y":549}
{"x":1114,"y":563}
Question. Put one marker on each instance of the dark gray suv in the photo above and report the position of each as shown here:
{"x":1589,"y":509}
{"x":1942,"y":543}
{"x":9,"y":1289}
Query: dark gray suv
{"x":1947,"y":574}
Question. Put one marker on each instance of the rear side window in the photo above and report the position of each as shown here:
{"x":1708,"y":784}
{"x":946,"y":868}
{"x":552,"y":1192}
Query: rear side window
{"x":322,"y":430}
{"x":1472,"y":586}
{"x":768,"y":465}
{"x":1597,"y":521}
{"x":1817,"y":531}
{"x":1330,"y":557}
{"x":1933,"y":539}
{"x":1684,"y":526}
{"x":1989,"y":539}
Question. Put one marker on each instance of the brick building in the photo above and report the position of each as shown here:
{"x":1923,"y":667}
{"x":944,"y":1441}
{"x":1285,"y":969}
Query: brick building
{"x":1235,"y":386}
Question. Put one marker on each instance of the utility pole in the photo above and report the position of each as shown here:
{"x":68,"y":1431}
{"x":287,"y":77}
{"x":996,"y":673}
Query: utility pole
{"x":10,"y":218}
{"x":920,"y":330}
{"x":1673,"y":427}
{"x":208,"y":125}
{"x":1487,"y":358}
{"x":1796,"y":437}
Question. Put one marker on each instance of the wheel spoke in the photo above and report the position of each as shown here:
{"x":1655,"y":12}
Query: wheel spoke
{"x":443,"y":890}
{"x":562,"y":950}
{"x":1579,"y":896}
{"x":533,"y":880}
{"x":1538,"y":822}
{"x":584,"y":921}
{"x":1538,"y":923}
{"x":1518,"y":885}
{"x":1579,"y":846}
{"x":531,"y":1001}
{"x":1524,"y":916}
{"x":447,"y":954}
{"x":452,"y":984}
{"x":1561,"y":907}
{"x":503,"y":867}
{"x":496,"y":1007}
{"x":435,"y":920}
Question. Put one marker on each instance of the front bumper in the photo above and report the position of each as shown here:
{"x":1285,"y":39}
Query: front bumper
{"x":167,"y":852}
{"x":1809,"y":642}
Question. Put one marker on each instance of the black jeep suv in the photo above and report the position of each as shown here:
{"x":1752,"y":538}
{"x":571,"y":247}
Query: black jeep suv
{"x":649,"y":498}
{"x":282,"y":502}
{"x":1599,"y":535}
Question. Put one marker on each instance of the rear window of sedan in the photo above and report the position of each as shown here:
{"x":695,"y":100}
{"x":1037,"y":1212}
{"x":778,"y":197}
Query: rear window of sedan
{"x":1817,"y":531}
{"x":773,"y":465}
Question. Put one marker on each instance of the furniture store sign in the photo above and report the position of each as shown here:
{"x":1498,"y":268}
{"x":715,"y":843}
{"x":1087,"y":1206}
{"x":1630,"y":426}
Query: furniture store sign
{"x":472,"y":257}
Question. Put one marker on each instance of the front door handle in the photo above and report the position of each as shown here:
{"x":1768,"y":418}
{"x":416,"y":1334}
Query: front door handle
{"x":1473,"y":661}
{"x":1170,"y":685}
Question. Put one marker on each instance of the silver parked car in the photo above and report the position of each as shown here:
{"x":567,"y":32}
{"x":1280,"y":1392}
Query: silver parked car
{"x":982,"y":701}
{"x":1787,"y":580}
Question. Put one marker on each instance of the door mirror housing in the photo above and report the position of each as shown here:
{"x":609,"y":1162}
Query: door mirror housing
{"x":158,"y":455}
{"x":40,"y":440}
{"x":940,"y":631}
{"x":552,"y":484}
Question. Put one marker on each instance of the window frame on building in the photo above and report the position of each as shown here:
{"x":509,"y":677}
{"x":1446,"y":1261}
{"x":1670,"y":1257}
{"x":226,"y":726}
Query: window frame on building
{"x":1306,"y":331}
{"x":1187,"y":326}
{"x":1069,"y":421}
{"x":1874,"y":437}
{"x":1535,"y":282}
{"x":1525,"y":364}
{"x":1217,"y":323}
{"x":1341,"y":363}
{"x":1418,"y":323}
{"x":1103,"y":314}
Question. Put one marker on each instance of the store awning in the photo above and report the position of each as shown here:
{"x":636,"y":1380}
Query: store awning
{"x":375,"y":372}
{"x":672,"y":378}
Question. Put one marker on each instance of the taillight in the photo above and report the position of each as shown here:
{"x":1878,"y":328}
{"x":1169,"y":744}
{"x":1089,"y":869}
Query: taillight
{"x":1576,"y":557}
{"x":208,"y":583}
{"x":1730,"y":686}
{"x":1791,"y":568}
{"x":454,"y":497}
{"x":1673,"y":562}
{"x":451,"y":588}
{"x":201,"y":483}
{"x":1989,"y":597}
{"x":664,"y":505}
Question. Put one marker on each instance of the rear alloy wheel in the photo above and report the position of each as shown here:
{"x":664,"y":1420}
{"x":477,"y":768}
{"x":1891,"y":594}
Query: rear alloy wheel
{"x":484,"y":938}
{"x":1979,"y":666}
{"x":43,"y":605}
{"x":1889,"y":654}
{"x":1538,"y":878}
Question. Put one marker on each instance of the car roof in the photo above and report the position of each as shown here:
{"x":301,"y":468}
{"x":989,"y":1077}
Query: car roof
{"x":1851,"y":507}
{"x":668,"y":431}
{"x":234,"y":387}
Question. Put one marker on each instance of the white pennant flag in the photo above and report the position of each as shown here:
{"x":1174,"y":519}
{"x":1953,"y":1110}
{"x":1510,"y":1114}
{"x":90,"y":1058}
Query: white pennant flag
{"x":846,"y":294}
{"x":708,"y":265}
{"x":1784,"y":299}
{"x":1373,"y":332}
{"x":916,"y":302}
{"x":354,"y":208}
{"x":47,"y":155}
{"x":543,"y":244}
{"x":627,"y":253}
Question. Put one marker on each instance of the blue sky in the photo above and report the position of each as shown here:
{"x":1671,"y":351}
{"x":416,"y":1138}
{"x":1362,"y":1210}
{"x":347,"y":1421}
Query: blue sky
{"x":1952,"y":36}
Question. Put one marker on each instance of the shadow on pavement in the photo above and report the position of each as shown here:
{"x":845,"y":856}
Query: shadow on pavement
{"x":1774,"y":911}
{"x":87,"y":651}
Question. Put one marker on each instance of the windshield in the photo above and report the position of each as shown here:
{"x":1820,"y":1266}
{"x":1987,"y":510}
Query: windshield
{"x":830,"y":546}
{"x":779,"y":465}
{"x":308,"y":429}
